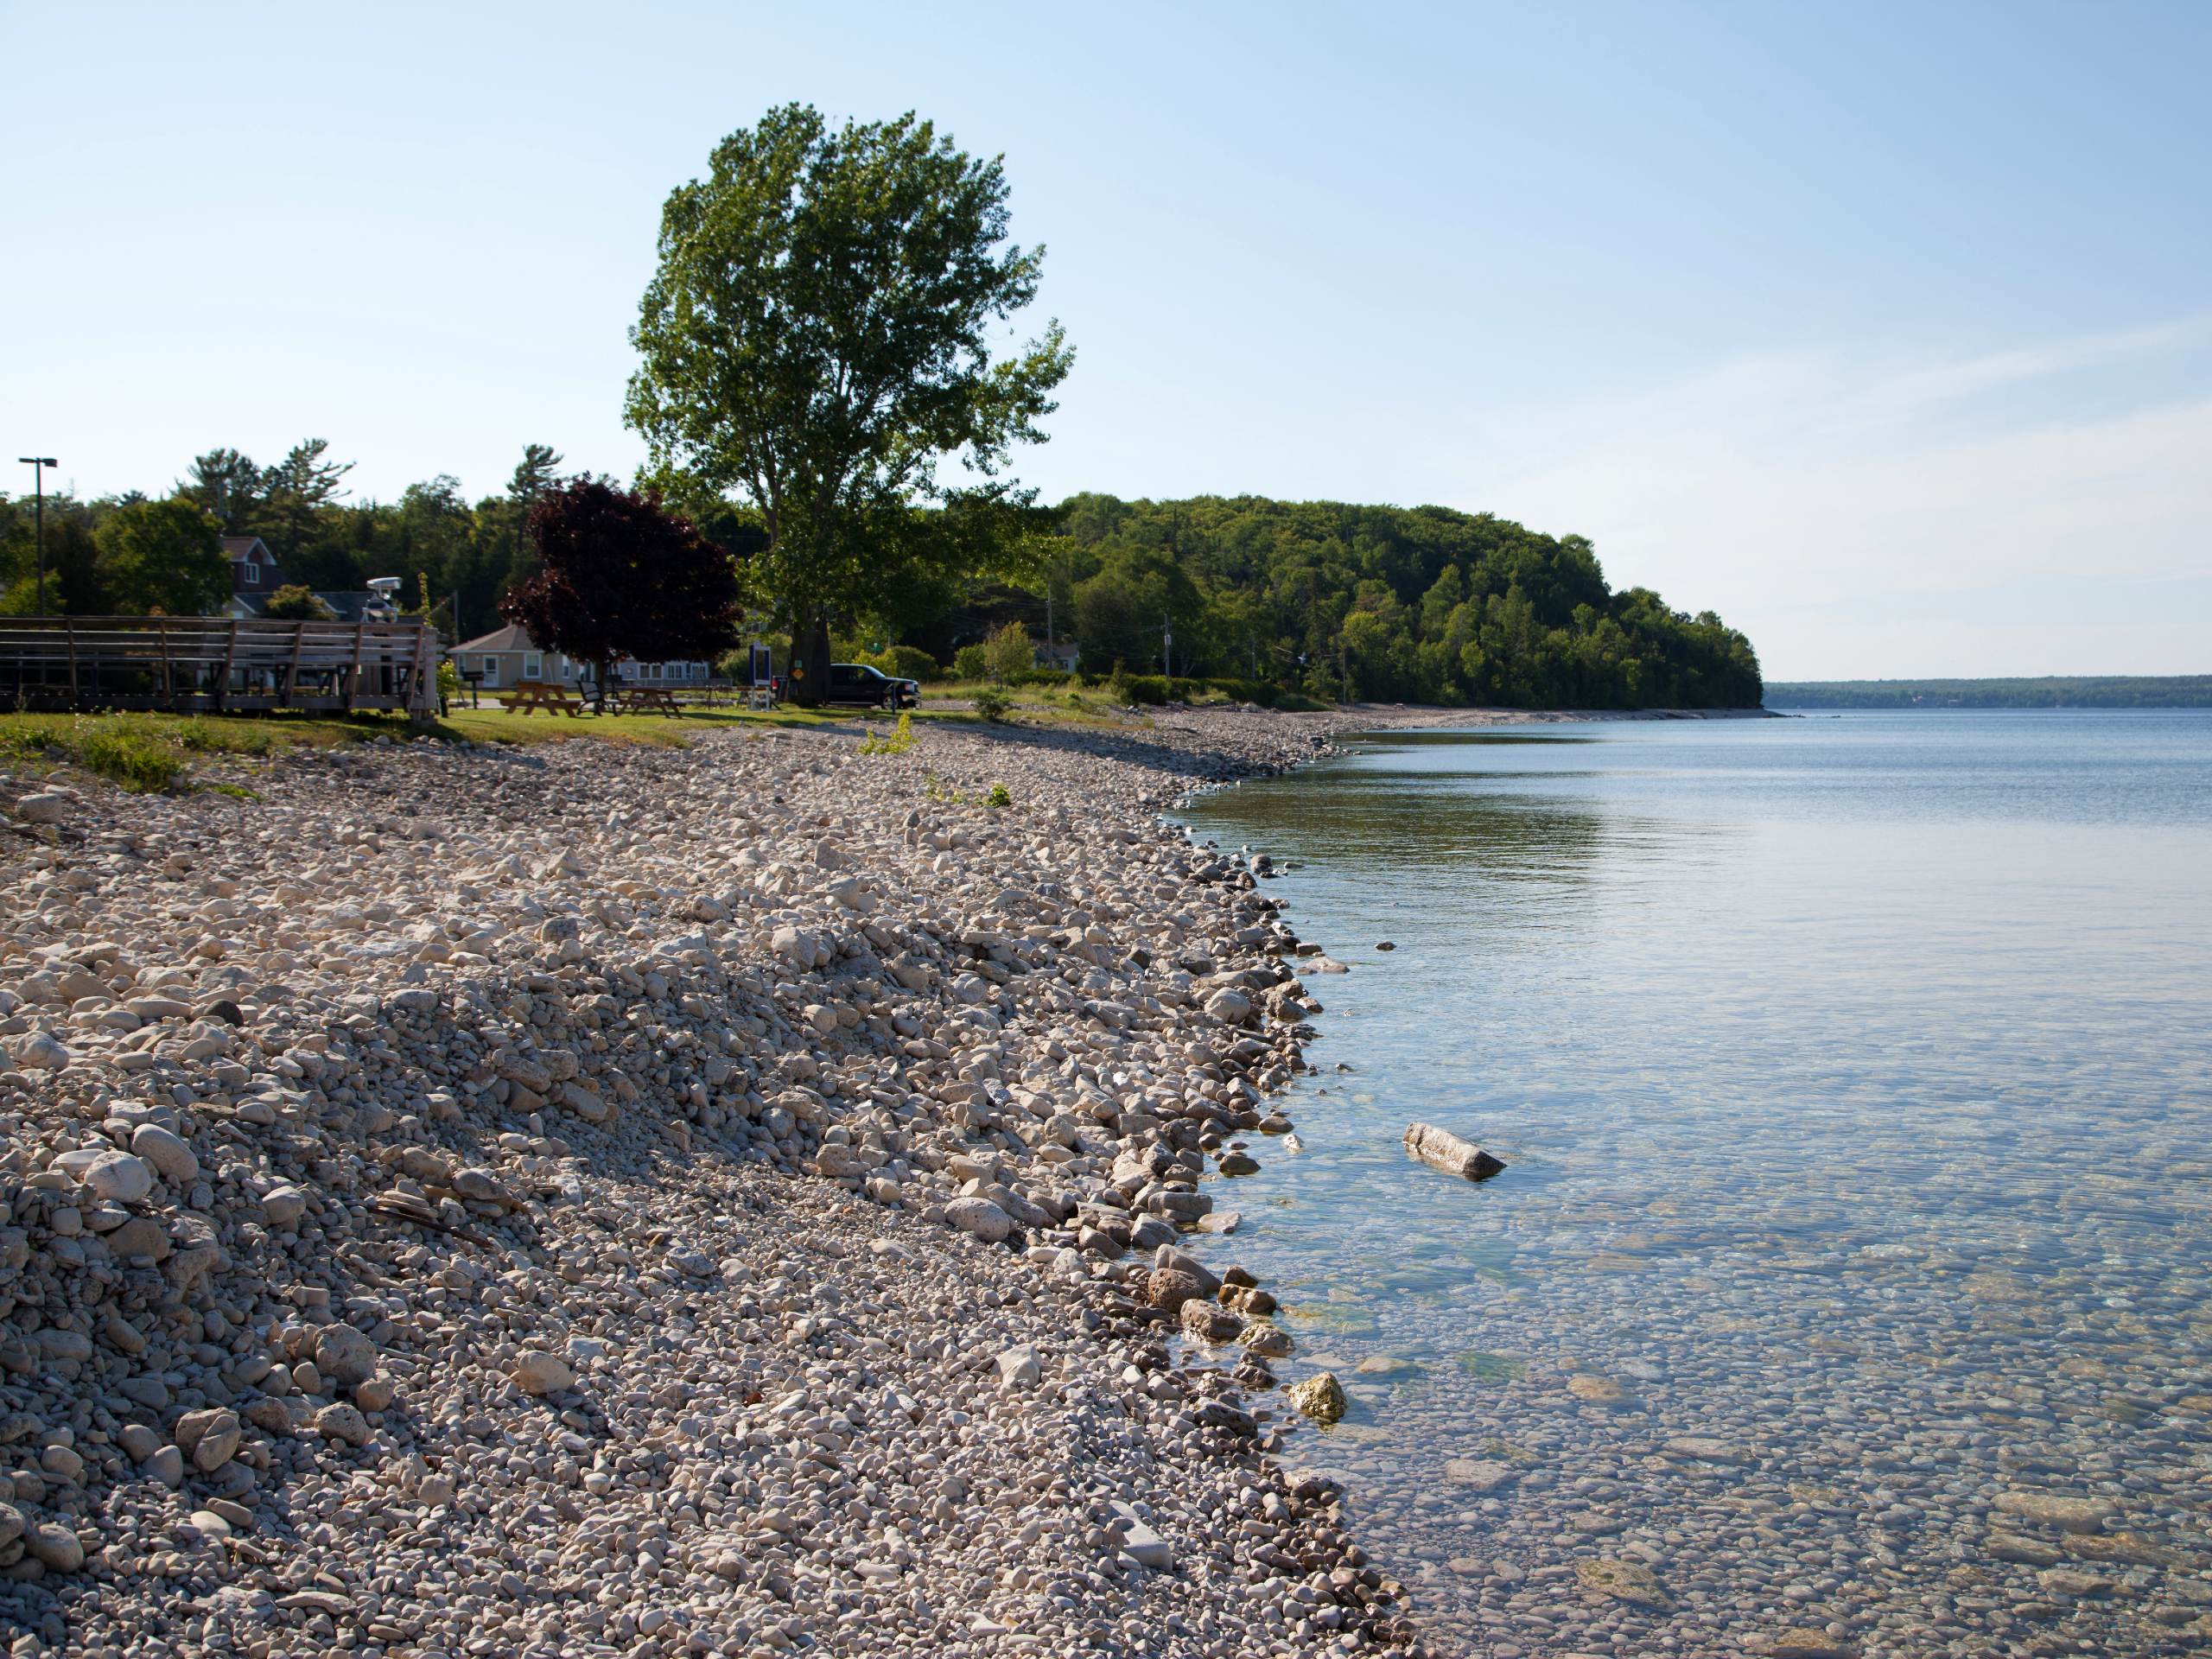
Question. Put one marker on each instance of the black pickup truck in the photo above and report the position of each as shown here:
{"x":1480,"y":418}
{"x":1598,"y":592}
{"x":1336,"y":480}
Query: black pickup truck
{"x":856,"y":683}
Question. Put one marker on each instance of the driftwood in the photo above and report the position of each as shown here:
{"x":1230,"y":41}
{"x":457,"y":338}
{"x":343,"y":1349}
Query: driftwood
{"x":1441,"y":1149}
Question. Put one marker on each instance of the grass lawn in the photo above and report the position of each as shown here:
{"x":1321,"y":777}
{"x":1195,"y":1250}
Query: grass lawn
{"x":156,"y":751}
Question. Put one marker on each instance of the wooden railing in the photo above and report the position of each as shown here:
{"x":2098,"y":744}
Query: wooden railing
{"x":211,"y":665}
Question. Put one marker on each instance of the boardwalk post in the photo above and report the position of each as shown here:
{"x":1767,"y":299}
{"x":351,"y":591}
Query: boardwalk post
{"x":292,"y":672}
{"x":230,"y":659}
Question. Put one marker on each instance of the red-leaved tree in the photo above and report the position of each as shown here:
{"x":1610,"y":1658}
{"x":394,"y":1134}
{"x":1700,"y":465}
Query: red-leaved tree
{"x":623,"y":576}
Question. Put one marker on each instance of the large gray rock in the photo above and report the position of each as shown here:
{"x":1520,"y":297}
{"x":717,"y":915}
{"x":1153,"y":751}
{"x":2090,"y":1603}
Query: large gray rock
{"x":345,"y":1354}
{"x":167,"y":1151}
{"x":980,"y":1217}
{"x":119,"y":1177}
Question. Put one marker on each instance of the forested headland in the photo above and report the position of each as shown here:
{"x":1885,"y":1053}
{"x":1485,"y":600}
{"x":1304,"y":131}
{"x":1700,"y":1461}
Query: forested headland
{"x":1416,"y":605}
{"x":2057,"y":692}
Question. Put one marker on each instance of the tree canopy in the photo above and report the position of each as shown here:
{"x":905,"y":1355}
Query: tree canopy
{"x":620,"y":577}
{"x":816,"y":340}
{"x":163,"y":556}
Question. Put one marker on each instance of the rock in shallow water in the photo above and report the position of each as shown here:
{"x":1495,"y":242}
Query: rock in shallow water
{"x":1320,"y":1397}
{"x":1441,"y":1149}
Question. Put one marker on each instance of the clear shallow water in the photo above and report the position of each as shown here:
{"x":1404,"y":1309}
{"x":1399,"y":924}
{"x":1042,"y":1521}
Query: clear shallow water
{"x":1854,"y":1075}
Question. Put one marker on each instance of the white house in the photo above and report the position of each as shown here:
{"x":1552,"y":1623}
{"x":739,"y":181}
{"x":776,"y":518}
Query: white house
{"x":506,"y":657}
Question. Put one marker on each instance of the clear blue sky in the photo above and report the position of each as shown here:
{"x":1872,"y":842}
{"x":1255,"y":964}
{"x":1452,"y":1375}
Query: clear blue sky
{"x":1885,"y":330}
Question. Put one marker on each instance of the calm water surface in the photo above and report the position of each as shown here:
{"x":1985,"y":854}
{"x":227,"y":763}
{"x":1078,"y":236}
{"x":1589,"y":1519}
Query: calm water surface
{"x":1854,"y":1075}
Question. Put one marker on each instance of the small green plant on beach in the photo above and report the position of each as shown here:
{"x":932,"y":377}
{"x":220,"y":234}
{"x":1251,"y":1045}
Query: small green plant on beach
{"x":998,"y":796}
{"x":900,"y":740}
{"x":993,"y":704}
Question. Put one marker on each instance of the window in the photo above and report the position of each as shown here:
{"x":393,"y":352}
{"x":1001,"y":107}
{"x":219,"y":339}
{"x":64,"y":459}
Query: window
{"x":533,"y":665}
{"x":491,"y":669}
{"x":568,"y":670}
{"x":251,"y":573}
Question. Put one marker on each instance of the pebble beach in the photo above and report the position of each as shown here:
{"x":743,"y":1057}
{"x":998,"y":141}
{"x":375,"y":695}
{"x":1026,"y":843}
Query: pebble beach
{"x":585,"y":1199}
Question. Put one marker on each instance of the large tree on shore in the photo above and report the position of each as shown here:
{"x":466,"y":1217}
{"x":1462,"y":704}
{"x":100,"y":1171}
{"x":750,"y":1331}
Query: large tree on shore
{"x":817,"y":341}
{"x":619,"y":575}
{"x":165,"y":556}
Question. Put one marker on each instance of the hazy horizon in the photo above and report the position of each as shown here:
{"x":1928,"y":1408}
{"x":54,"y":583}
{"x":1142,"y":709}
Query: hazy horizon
{"x":1881,"y":334}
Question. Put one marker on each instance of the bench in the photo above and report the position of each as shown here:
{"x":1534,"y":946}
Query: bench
{"x":545,"y":693}
{"x":648,"y":699}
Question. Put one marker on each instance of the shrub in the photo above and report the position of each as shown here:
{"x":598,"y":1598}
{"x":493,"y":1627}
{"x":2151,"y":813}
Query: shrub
{"x":972,"y":662}
{"x":907,"y":663}
{"x":293,"y":603}
{"x":999,"y":796}
{"x":1118,"y":681}
{"x":992,"y":703}
{"x":1054,"y":677}
{"x":1151,"y":688}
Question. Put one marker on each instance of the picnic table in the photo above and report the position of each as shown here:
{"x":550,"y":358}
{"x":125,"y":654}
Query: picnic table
{"x":545,"y":693}
{"x":649,"y":699}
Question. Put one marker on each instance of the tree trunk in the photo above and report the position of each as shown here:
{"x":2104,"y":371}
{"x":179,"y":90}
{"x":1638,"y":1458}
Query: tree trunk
{"x":811,"y":661}
{"x":602,"y":677}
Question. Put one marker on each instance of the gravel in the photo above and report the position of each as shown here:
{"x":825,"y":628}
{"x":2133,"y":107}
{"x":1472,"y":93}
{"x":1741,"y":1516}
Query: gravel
{"x":586,"y":1199}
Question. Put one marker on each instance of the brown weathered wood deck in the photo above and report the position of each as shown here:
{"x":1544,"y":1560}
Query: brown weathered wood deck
{"x":205,"y":664}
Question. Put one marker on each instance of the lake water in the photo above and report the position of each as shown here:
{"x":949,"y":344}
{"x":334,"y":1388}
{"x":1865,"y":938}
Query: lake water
{"x":1854,"y":1074}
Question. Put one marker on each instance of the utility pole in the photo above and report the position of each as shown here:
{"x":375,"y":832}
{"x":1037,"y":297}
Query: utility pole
{"x":1167,"y":647}
{"x":38,"y":464}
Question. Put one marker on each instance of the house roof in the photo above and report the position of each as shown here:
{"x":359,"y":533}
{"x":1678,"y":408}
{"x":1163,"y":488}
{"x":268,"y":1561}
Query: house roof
{"x":513,"y":636}
{"x":237,"y":546}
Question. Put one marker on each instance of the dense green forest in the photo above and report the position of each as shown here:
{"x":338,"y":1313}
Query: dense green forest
{"x":1418,"y":605}
{"x":1415,"y":605}
{"x":2100,"y":691}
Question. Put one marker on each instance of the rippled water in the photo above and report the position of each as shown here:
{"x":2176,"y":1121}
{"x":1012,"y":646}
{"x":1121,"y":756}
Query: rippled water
{"x":1855,"y":1077}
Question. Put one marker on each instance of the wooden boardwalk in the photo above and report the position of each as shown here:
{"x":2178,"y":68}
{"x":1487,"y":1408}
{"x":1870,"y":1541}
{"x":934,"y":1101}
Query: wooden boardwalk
{"x":211,"y":665}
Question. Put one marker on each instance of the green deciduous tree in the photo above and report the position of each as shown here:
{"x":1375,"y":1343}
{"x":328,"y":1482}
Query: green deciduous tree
{"x":74,"y":585}
{"x":165,"y":556}
{"x":816,"y":338}
{"x":1008,"y":652}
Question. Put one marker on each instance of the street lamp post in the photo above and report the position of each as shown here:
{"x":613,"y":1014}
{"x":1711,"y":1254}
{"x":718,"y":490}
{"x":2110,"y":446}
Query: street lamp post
{"x":38,"y":464}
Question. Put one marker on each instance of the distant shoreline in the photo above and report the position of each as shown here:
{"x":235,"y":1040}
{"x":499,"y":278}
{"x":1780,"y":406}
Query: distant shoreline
{"x":2055,"y":692}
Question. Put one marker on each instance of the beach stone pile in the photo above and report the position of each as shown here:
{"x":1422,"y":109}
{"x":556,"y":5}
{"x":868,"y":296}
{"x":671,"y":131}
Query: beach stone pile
{"x":586,"y":1199}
